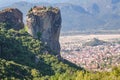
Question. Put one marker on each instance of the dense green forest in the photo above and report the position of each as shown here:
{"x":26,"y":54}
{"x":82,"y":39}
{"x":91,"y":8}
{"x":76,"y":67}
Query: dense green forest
{"x":24,"y":58}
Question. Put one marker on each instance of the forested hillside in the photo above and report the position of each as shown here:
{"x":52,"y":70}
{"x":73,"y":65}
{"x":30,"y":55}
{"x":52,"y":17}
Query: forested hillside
{"x":23,"y":57}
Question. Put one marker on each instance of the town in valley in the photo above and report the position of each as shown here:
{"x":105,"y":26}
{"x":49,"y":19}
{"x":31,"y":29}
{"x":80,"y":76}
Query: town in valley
{"x":92,"y":52}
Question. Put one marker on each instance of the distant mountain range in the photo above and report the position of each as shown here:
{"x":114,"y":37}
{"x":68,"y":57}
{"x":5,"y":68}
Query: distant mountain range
{"x":85,"y":15}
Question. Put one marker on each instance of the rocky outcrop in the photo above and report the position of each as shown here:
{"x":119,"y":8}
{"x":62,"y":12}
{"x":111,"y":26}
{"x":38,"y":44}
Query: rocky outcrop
{"x":12,"y":17}
{"x":45,"y":22}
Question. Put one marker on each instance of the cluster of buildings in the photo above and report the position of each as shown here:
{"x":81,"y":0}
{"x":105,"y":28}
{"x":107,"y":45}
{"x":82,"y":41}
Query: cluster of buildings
{"x":100,"y":57}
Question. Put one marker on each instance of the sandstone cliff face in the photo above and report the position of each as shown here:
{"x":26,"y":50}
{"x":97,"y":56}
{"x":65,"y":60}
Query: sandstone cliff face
{"x":47,"y":22}
{"x":13,"y":17}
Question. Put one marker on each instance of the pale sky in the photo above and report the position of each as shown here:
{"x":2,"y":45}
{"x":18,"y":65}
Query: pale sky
{"x":8,"y":2}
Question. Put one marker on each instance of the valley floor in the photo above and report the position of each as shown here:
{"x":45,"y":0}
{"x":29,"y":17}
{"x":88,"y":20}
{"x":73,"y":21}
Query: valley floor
{"x":100,"y":57}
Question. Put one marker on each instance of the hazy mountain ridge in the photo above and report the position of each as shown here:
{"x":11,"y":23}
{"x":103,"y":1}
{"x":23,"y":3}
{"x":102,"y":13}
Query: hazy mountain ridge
{"x":97,"y":15}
